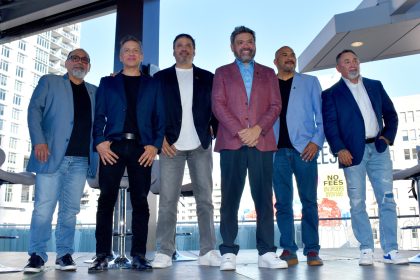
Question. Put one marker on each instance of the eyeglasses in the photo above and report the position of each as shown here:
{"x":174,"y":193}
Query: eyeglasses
{"x":76,"y":58}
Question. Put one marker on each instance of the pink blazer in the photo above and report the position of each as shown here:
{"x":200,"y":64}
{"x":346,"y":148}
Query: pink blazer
{"x":230,"y":106}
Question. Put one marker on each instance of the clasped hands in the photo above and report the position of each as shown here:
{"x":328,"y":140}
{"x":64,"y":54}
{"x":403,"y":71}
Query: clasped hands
{"x":249,"y":136}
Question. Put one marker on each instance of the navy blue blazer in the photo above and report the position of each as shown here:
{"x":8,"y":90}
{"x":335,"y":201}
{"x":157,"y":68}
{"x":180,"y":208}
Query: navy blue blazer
{"x":343,"y":122}
{"x":202,"y":114}
{"x":111,"y":107}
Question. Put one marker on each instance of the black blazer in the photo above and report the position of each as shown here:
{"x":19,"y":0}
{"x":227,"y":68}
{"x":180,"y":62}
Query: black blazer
{"x":202,"y":114}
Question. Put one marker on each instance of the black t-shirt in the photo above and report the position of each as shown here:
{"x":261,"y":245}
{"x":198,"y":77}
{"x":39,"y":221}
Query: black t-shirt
{"x":79,"y":143}
{"x":284,"y":139}
{"x":131,"y":86}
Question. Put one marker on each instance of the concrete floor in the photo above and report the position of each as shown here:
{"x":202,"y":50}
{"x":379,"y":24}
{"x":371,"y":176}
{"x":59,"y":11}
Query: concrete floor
{"x":339,"y":264}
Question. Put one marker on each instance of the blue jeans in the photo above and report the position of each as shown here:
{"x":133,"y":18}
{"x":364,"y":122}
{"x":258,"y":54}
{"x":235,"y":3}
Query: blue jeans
{"x":286,"y":163}
{"x":65,"y":186}
{"x":200,"y":165}
{"x":378,"y":167}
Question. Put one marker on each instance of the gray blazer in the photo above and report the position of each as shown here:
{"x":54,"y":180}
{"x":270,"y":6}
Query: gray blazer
{"x":50,"y":121}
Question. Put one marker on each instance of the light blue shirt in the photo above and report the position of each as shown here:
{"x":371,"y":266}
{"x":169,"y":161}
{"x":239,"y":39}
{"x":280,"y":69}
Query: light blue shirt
{"x":247,"y":73}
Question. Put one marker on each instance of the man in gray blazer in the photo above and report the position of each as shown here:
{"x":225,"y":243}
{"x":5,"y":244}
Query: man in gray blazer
{"x":60,"y":116}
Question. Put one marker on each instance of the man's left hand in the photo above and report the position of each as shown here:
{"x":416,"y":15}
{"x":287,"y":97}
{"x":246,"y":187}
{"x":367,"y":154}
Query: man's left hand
{"x":249,"y":136}
{"x":309,"y":152}
{"x":386,"y":140}
{"x":147,"y":158}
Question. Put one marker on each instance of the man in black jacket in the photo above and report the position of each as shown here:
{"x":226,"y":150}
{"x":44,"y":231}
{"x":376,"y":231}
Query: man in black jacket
{"x":190,"y":127}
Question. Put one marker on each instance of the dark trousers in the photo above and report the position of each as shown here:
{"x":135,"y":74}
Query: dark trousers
{"x":129,"y":152}
{"x":234,"y":165}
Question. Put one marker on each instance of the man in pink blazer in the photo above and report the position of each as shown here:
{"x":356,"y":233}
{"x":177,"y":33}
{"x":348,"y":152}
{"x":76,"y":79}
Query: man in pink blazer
{"x":246,"y":101}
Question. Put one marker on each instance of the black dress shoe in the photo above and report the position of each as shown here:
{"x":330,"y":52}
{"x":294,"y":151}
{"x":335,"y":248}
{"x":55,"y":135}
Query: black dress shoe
{"x":140,"y":263}
{"x":99,"y":264}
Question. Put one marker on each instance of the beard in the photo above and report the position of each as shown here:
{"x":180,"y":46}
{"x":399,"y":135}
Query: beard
{"x":245,"y":58}
{"x":353,"y":74}
{"x":78,"y":73}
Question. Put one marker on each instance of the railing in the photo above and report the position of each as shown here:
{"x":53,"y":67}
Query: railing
{"x":337,"y":234}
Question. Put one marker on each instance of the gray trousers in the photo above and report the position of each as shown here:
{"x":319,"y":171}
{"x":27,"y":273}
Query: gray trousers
{"x":200,"y":164}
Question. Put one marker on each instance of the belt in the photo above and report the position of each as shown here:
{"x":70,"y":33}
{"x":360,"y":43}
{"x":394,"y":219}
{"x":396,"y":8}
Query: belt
{"x":370,"y":140}
{"x":129,"y":136}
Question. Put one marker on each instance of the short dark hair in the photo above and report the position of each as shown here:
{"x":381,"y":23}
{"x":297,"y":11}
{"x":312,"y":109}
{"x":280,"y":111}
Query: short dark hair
{"x":128,"y":38}
{"x":241,"y":29}
{"x":184,"y":35}
{"x":78,"y":49}
{"x":337,"y":58}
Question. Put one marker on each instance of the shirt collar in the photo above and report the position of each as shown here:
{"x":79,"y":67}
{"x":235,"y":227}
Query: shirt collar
{"x":241,"y":64}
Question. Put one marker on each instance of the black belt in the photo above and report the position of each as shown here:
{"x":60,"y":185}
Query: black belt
{"x":129,"y":136}
{"x":370,"y":140}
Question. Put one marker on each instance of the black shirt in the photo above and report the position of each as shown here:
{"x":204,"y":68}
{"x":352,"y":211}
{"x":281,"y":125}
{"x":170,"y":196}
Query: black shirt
{"x":79,"y":143}
{"x":131,"y":85}
{"x":284,"y":139}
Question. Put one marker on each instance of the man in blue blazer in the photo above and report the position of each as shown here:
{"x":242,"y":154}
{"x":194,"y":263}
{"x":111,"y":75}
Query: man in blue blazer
{"x":301,"y":135}
{"x":60,"y":116}
{"x":127,"y":133}
{"x":360,"y":123}
{"x":190,"y":126}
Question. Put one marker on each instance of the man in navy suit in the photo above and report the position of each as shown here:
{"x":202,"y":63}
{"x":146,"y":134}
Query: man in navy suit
{"x":60,"y":116}
{"x":301,"y":134}
{"x":360,"y":122}
{"x":188,"y":135}
{"x":127,"y":133}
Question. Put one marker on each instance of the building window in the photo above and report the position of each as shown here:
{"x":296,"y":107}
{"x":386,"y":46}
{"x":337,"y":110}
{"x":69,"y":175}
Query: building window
{"x":414,"y":152}
{"x":417,"y":116}
{"x":5,"y":51}
{"x":14,"y":128}
{"x":18,"y":86}
{"x":40,"y":67}
{"x":11,"y":158}
{"x":13,"y":143}
{"x":412,"y":134}
{"x":35,"y":80}
{"x":392,"y":155}
{"x":3,"y":80}
{"x":19,"y":71}
{"x":28,"y":147}
{"x":1,"y":136}
{"x":413,"y":210}
{"x":402,"y":117}
{"x":410,"y":116}
{"x":375,"y":233}
{"x":2,"y":110}
{"x":8,"y":193}
{"x":22,"y":45}
{"x":404,"y":135}
{"x":21,"y":58}
{"x":40,"y":40}
{"x":42,"y":56}
{"x":25,"y":162}
{"x":4,"y":65}
{"x":414,"y":233}
{"x":407,"y":154}
{"x":1,"y":128}
{"x":2,"y":94}
{"x":24,"y":197}
{"x":17,"y":99}
{"x":15,"y":114}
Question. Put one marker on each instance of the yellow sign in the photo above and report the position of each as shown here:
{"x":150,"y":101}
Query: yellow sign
{"x":333,"y":186}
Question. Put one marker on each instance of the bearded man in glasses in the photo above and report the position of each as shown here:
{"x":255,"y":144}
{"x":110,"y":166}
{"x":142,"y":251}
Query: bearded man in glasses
{"x":60,"y":116}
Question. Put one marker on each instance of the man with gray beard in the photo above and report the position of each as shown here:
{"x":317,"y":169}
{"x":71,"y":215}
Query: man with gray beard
{"x":60,"y":116}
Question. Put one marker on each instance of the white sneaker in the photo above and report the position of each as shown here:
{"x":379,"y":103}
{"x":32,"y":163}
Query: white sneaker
{"x":271,"y":260}
{"x":395,"y":258}
{"x":228,"y":262}
{"x":161,"y":261}
{"x":211,"y":258}
{"x":366,"y":257}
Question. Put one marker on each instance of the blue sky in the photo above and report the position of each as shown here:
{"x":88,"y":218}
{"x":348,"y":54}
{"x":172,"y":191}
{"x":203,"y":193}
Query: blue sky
{"x":276,"y":23}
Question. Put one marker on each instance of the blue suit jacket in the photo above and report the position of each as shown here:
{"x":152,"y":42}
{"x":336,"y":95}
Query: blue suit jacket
{"x":304,"y":116}
{"x":50,"y":121}
{"x":201,"y":108}
{"x":111,"y":107}
{"x":343,"y":121}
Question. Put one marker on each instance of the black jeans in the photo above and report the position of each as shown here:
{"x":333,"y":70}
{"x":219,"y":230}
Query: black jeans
{"x":128,"y":151}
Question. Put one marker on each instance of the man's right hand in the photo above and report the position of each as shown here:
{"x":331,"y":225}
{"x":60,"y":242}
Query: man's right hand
{"x":344,"y":157}
{"x":168,"y":150}
{"x":41,"y":152}
{"x":105,"y":153}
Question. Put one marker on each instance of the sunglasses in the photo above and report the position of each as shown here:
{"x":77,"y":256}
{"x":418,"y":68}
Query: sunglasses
{"x":76,"y":58}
